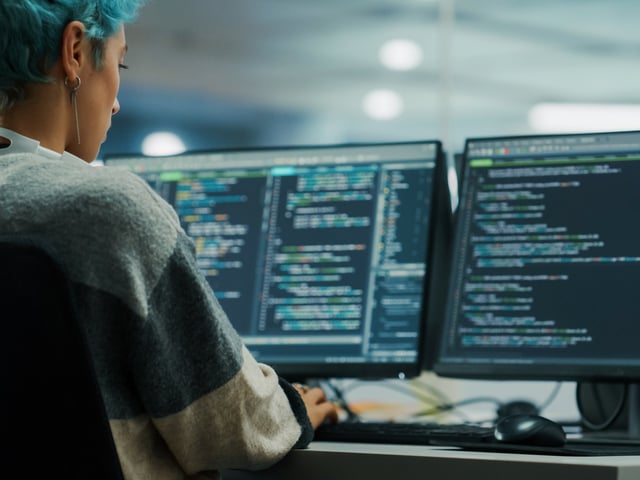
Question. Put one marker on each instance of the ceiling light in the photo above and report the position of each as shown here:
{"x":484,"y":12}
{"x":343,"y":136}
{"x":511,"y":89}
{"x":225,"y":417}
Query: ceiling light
{"x":400,"y":54}
{"x":584,"y":117}
{"x":383,"y":104}
{"x":162,"y":143}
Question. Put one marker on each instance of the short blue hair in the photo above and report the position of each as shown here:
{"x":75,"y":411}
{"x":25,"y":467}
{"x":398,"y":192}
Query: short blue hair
{"x":31,"y":34}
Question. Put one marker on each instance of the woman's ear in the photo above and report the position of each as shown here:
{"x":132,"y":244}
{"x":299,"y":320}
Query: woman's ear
{"x":74,"y":52}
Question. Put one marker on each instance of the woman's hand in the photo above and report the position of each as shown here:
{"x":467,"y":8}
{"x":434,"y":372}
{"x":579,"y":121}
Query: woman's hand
{"x":319,"y":408}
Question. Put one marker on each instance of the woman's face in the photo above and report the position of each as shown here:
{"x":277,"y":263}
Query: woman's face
{"x":97,"y":98}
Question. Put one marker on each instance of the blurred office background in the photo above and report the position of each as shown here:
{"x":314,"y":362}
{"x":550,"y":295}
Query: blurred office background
{"x":245,"y":73}
{"x":229,"y":73}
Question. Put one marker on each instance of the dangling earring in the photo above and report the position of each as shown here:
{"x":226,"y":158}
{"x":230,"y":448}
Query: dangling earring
{"x":74,"y":102}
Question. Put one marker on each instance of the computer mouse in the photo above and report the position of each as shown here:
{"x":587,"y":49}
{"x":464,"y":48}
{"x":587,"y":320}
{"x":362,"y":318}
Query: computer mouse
{"x":529,"y":430}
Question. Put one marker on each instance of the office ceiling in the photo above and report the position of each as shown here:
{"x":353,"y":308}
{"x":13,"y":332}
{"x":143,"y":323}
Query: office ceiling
{"x":486,"y":62}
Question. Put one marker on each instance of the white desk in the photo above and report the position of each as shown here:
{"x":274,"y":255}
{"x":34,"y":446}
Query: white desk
{"x":355,"y":461}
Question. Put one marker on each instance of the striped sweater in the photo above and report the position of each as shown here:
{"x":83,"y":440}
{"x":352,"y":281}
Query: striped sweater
{"x":184,"y":397}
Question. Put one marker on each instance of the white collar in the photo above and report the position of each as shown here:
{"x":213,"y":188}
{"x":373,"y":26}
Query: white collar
{"x":21,"y":144}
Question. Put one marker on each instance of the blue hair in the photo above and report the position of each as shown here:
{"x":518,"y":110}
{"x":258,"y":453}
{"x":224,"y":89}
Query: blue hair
{"x":31,"y":34}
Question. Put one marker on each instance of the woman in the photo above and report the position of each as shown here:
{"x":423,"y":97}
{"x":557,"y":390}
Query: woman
{"x":184,"y":397}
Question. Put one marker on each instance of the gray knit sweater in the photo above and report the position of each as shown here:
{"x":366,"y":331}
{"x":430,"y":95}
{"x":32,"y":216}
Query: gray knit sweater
{"x":184,"y":397}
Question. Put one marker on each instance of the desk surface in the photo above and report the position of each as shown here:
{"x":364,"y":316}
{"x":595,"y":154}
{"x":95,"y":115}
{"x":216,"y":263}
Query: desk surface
{"x":352,"y":461}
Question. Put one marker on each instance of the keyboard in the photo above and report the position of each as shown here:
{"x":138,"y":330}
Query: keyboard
{"x":466,"y":436}
{"x":402,"y":433}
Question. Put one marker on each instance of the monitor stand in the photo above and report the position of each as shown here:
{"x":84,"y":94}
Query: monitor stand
{"x":626,"y":426}
{"x":633,"y":404}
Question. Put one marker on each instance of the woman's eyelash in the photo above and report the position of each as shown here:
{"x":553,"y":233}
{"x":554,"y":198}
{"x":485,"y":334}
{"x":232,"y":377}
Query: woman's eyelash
{"x":122,"y":65}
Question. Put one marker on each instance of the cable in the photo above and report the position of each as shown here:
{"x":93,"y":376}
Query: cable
{"x":452,"y":406}
{"x":421,"y":383}
{"x":396,"y":387}
{"x":342,"y":403}
{"x":552,"y":396}
{"x":439,"y":401}
{"x":411,"y":390}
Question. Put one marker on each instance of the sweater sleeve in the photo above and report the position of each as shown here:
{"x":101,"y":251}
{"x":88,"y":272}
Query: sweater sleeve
{"x":300,"y":412}
{"x":213,"y":404}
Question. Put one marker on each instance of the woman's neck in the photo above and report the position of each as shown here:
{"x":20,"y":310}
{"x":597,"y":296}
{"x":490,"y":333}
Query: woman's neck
{"x":37,"y":117}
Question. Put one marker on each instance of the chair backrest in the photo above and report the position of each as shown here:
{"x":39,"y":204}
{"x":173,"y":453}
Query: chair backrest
{"x":53,"y":420}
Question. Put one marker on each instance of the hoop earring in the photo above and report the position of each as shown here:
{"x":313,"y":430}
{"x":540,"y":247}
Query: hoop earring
{"x":74,"y":102}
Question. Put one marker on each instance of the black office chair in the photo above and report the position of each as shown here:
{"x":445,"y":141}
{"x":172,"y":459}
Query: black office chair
{"x":53,"y":421}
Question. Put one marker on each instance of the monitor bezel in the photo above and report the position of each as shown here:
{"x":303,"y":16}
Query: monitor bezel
{"x":571,"y":370}
{"x":303,"y":371}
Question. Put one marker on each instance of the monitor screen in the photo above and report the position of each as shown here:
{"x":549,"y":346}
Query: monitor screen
{"x":546,"y":260}
{"x":319,"y":256}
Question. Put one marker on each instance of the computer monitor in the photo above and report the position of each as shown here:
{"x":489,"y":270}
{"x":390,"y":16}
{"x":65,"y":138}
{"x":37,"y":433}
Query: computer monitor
{"x":546,"y":260}
{"x":320,"y":256}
